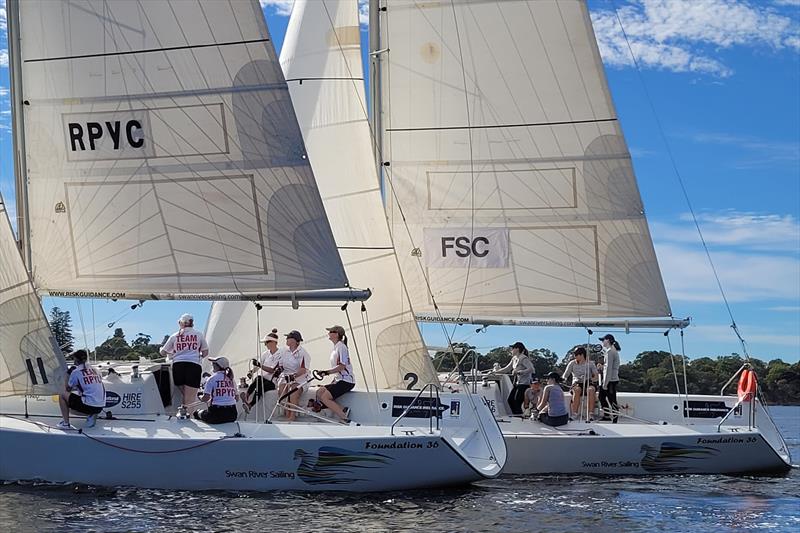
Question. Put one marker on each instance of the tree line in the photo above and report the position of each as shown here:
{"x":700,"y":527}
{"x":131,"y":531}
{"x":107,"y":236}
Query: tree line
{"x":652,"y":371}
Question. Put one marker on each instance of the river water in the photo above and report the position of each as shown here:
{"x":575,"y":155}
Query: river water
{"x":510,"y":503}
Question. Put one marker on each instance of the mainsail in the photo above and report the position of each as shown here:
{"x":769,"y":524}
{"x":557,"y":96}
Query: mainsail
{"x":321,"y":58}
{"x":30,"y":360}
{"x":510,"y":187}
{"x":163,"y":154}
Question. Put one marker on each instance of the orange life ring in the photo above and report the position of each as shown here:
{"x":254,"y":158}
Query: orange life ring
{"x":747,"y":385}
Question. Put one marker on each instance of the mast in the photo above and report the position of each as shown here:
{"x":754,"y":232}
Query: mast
{"x":18,"y":132}
{"x":374,"y":84}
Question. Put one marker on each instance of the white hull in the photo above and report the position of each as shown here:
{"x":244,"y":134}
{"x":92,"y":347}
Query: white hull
{"x":187,"y":454}
{"x":655,"y":435}
{"x":143,"y":445}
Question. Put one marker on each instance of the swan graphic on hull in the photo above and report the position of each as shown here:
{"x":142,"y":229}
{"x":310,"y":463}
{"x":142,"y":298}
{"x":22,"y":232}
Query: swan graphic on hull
{"x":674,"y":457}
{"x":331,"y":465}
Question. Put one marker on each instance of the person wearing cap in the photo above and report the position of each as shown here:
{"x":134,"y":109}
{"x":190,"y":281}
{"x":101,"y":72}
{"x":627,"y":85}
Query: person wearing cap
{"x":186,"y":347}
{"x":552,"y":407}
{"x":584,"y":374}
{"x":84,"y":392}
{"x":219,"y":393}
{"x":295,"y":361}
{"x":522,"y":373}
{"x":340,"y":365}
{"x":269,"y":366}
{"x":608,"y":391}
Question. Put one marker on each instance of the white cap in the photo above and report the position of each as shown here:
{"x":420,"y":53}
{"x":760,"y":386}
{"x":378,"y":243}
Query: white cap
{"x":186,"y":318}
{"x":221,"y":361}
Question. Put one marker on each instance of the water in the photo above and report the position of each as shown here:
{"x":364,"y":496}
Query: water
{"x":511,"y":503}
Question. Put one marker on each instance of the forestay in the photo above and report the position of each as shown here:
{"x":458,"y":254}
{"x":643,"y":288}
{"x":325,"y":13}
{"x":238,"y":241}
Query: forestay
{"x":321,"y":58}
{"x":30,"y":360}
{"x":510,"y":185}
{"x":164,"y":158}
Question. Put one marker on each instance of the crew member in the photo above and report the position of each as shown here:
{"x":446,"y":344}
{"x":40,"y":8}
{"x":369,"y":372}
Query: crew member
{"x":344,"y":381}
{"x":219,"y":393}
{"x":186,"y":347}
{"x":84,"y":392}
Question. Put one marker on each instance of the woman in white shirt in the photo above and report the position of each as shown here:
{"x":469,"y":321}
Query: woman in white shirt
{"x":522,"y":374}
{"x":608,"y":391}
{"x":219,"y":393}
{"x":269,"y":365}
{"x":85,"y":392}
{"x":295,"y":362}
{"x":186,"y":347}
{"x":344,"y":381}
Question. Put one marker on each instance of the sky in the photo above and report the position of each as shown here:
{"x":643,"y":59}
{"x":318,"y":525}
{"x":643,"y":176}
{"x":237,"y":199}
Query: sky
{"x":716,"y":84}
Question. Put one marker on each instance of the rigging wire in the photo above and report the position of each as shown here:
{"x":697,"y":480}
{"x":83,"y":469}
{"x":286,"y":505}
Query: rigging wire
{"x":680,"y":181}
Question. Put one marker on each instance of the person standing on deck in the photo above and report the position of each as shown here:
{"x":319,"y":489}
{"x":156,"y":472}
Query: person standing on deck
{"x":522,"y":373}
{"x":186,"y":347}
{"x":611,"y":374}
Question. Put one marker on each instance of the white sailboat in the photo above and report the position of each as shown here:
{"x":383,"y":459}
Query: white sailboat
{"x":512,"y":200}
{"x":159,"y":156}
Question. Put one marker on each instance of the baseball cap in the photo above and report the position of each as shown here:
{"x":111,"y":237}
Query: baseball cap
{"x":519,"y":346}
{"x":294,"y":334}
{"x":555,"y":375}
{"x":608,"y":337}
{"x":337,"y":329}
{"x":186,"y":318}
{"x":221,"y":361}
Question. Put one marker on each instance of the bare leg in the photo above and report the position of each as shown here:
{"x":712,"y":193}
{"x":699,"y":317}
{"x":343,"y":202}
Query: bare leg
{"x":324,"y":396}
{"x":189,"y":395}
{"x":590,"y":398}
{"x":576,"y":399}
{"x":294,"y":399}
{"x":63,"y":400}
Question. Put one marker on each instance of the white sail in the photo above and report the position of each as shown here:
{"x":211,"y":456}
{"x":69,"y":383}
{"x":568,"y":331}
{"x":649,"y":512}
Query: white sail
{"x":321,"y":58}
{"x":163,"y":154}
{"x":30,"y":360}
{"x":510,"y":187}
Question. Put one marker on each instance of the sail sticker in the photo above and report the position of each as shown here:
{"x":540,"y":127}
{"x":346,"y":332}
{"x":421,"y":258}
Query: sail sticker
{"x":60,"y":208}
{"x":466,"y":247}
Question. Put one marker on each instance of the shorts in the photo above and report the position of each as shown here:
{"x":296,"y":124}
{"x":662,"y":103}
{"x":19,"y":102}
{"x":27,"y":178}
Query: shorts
{"x":217,"y":414}
{"x":337,"y":388}
{"x":553,"y":421}
{"x":186,"y":373}
{"x":75,"y":403}
{"x":583,"y":389}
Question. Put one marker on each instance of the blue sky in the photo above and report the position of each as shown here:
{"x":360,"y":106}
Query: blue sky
{"x":723,"y":77}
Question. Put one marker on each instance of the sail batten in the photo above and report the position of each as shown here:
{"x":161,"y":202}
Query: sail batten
{"x":164,"y":156}
{"x":511,"y":187}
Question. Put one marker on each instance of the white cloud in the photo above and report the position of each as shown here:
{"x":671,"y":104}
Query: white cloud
{"x":744,"y":276}
{"x":753,"y":151}
{"x":722,"y":333}
{"x":281,"y":7}
{"x":3,"y":58}
{"x":785,"y":308}
{"x":3,"y":17}
{"x":745,"y":231}
{"x":686,"y":35}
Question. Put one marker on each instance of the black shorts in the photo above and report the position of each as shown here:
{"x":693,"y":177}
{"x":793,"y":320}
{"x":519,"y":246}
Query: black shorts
{"x":338,"y":388}
{"x":76,"y":404}
{"x":217,"y":414}
{"x":553,"y":421}
{"x":186,"y":373}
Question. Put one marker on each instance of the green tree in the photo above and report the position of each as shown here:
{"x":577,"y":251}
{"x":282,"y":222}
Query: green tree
{"x":115,"y":347}
{"x":61,"y":326}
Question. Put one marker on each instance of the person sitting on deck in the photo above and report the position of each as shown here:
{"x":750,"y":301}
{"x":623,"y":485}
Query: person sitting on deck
{"x":584,"y":374}
{"x":270,"y":366}
{"x":219,"y":393}
{"x":532,"y":396}
{"x":552,"y":407}
{"x":345,"y":381}
{"x":295,"y":362}
{"x":84,"y":392}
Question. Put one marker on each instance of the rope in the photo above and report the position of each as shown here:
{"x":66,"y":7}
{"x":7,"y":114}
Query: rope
{"x":127,"y":449}
{"x":681,"y":183}
{"x":685,"y":379}
{"x":674,"y":371}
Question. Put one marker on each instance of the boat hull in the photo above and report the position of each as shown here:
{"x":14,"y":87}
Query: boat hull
{"x":191,"y":455}
{"x":637,"y":450}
